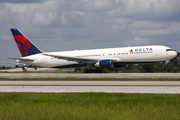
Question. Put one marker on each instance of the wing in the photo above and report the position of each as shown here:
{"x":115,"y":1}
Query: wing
{"x":15,"y":63}
{"x":77,"y":59}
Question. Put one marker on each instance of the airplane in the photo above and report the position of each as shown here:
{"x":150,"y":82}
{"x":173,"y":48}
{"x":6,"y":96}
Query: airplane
{"x":99,"y":58}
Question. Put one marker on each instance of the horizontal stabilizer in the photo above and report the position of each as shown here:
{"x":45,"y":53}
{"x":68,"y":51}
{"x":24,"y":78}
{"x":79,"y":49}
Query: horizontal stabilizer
{"x":22,"y":59}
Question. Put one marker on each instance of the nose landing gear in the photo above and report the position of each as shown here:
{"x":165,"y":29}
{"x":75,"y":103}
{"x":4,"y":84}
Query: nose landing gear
{"x":163,"y":67}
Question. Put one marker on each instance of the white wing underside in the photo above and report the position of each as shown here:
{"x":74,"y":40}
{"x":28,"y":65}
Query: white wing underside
{"x":77,"y":59}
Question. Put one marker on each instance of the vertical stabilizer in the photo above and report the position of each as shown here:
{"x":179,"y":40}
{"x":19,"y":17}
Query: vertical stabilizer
{"x":26,"y":47}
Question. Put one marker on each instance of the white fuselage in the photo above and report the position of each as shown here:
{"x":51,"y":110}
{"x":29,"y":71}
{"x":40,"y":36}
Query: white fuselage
{"x":139,"y":54}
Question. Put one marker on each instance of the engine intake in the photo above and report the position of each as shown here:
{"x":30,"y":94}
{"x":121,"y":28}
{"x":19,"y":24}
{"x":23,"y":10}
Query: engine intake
{"x":104,"y":64}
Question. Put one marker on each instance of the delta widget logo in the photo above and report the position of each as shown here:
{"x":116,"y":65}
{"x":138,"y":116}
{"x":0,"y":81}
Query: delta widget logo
{"x":141,"y":50}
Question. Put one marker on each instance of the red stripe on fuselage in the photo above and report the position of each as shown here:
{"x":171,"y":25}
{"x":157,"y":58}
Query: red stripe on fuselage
{"x":20,"y":38}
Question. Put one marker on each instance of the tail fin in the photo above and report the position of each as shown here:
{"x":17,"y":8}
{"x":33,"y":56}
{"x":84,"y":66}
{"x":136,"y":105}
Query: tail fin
{"x":26,"y":47}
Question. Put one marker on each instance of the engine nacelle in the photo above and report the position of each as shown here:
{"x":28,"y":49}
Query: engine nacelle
{"x":104,"y":64}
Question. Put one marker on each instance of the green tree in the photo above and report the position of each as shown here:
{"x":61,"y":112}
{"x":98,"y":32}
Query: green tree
{"x":173,"y":65}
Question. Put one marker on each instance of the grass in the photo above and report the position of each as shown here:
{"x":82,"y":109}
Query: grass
{"x":89,"y":106}
{"x":89,"y":79}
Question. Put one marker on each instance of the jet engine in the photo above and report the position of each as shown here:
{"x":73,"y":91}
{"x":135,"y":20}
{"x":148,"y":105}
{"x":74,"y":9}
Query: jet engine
{"x":104,"y":64}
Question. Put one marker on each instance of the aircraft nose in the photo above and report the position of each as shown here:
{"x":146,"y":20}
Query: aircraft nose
{"x":174,"y":54}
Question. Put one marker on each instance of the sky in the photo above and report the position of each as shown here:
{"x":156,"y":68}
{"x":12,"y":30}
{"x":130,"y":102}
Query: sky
{"x":62,"y":25}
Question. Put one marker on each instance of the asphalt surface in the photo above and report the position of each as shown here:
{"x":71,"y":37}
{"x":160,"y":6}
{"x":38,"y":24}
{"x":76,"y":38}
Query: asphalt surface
{"x":89,"y":83}
{"x":29,"y":69}
{"x":157,"y":87}
{"x":82,"y":89}
{"x":89,"y":75}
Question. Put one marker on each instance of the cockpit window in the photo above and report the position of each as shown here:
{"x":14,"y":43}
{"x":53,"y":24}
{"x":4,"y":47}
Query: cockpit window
{"x":169,"y":49}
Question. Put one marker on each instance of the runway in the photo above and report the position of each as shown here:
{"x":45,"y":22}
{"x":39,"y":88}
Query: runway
{"x":89,"y":83}
{"x":81,"y":89}
{"x":89,"y":75}
{"x":157,"y":87}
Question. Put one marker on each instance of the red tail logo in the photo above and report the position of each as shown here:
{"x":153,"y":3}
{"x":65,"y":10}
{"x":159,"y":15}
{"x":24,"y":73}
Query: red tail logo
{"x":25,"y":46}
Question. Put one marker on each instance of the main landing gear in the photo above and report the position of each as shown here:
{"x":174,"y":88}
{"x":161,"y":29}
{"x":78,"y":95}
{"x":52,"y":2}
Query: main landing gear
{"x":92,"y":71}
{"x":35,"y":68}
{"x":89,"y":70}
{"x":24,"y":69}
